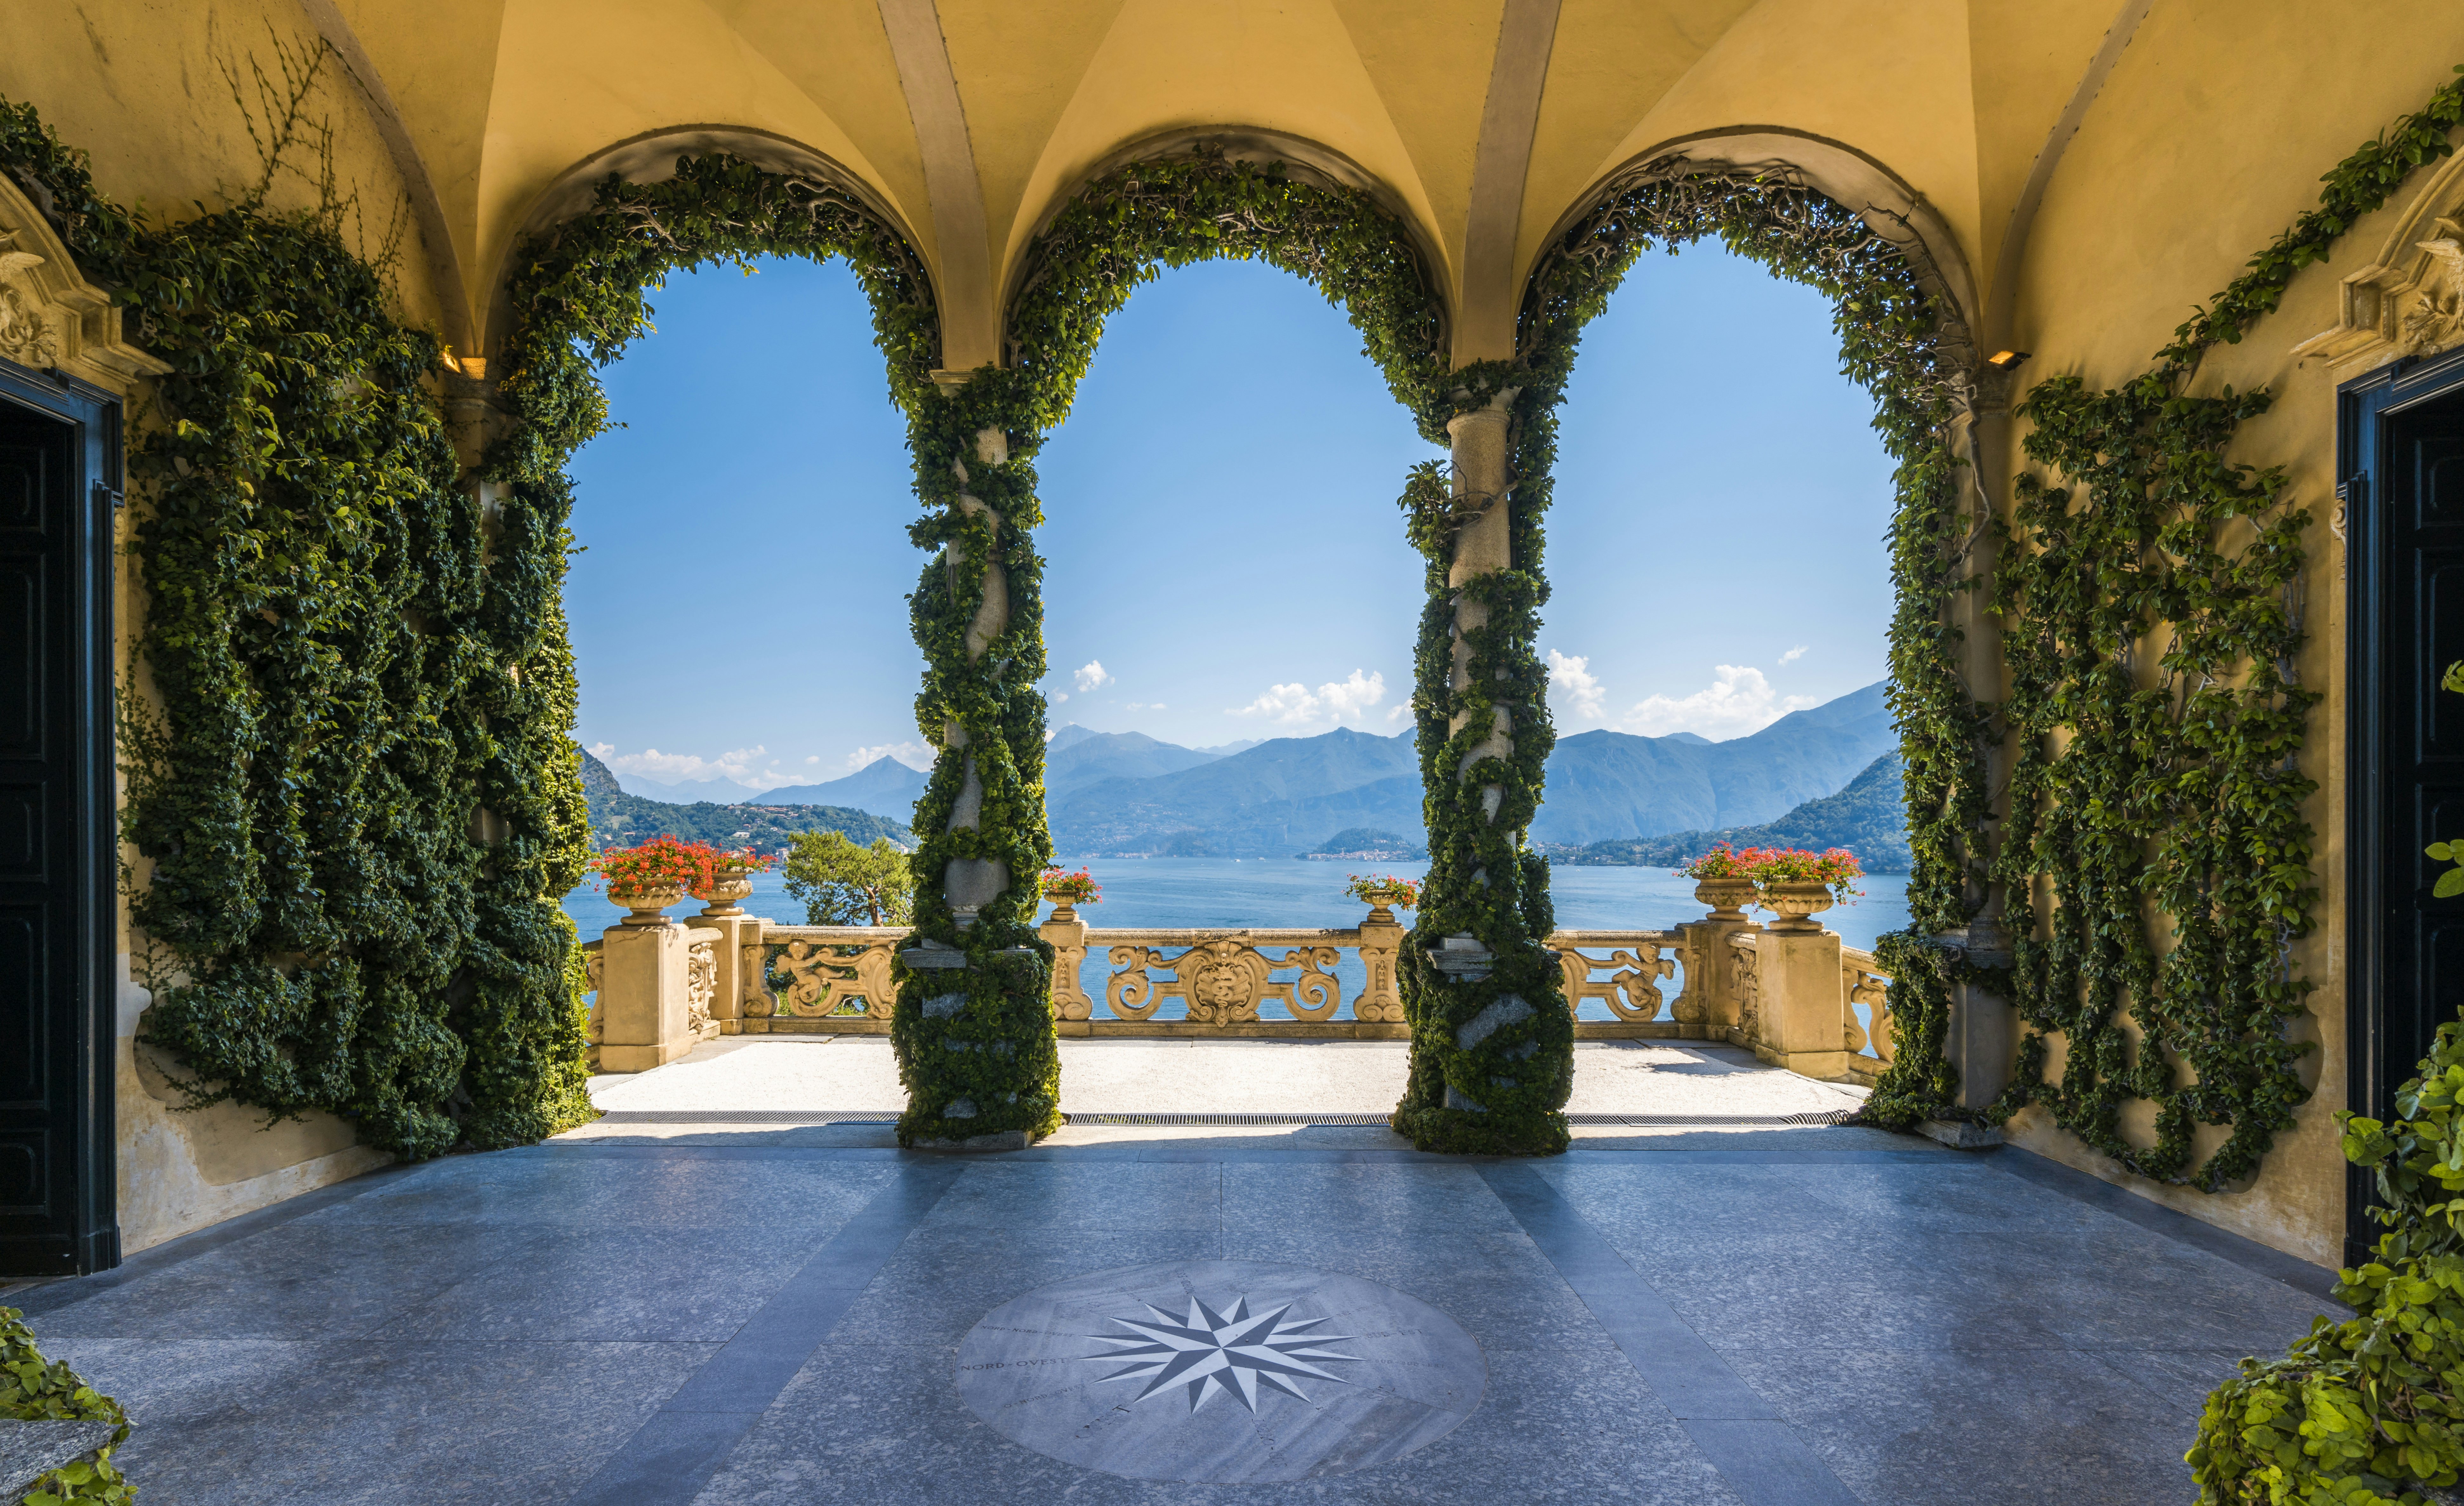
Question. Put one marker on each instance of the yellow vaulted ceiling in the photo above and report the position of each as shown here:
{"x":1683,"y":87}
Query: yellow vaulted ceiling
{"x":497,"y":102}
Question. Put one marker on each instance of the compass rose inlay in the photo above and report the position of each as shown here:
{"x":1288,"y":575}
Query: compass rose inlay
{"x":1234,"y":1353}
{"x":1119,"y":1370}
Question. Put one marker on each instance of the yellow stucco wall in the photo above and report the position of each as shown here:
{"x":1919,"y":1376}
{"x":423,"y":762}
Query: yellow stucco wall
{"x":2176,"y":178}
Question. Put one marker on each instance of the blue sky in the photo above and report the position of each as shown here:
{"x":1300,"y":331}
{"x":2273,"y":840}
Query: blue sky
{"x":1224,"y":559}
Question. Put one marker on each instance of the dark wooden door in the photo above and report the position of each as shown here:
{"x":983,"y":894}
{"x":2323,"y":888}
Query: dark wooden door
{"x":2404,"y":497}
{"x":55,"y":1039}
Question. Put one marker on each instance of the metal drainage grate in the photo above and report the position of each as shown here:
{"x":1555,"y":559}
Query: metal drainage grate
{"x":748,"y":1117}
{"x":889,"y":1117}
{"x":1224,"y":1119}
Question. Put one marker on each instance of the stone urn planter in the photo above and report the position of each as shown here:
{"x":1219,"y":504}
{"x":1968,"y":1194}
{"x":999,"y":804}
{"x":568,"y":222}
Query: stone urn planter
{"x":1726,"y":897}
{"x":1381,"y":904}
{"x":726,"y":892}
{"x":1797,"y":905}
{"x":647,"y":902}
{"x":1067,"y":892}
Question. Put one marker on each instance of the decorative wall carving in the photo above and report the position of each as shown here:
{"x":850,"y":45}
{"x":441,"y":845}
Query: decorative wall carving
{"x":701,"y":987}
{"x":2409,"y":301}
{"x":25,"y":335}
{"x":1749,"y":988}
{"x":52,"y":318}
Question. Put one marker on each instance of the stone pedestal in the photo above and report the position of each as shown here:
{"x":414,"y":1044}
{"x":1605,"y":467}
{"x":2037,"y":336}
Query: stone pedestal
{"x":1381,"y":942}
{"x":1804,"y":1003}
{"x":1066,"y":934}
{"x":647,"y":992}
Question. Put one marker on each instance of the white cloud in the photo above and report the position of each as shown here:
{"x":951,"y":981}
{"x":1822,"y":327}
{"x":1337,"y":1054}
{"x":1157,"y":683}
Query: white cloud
{"x":814,"y":759}
{"x":1395,"y":713}
{"x":1092,"y":675}
{"x":1738,"y":700}
{"x":1060,"y":696}
{"x":915,"y":755}
{"x":1141,"y":705}
{"x":1793,"y":654}
{"x":1296,"y":705}
{"x":1572,"y":685}
{"x":752,"y":767}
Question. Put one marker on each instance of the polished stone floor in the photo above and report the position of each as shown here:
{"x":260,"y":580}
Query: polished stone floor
{"x":714,"y":1312}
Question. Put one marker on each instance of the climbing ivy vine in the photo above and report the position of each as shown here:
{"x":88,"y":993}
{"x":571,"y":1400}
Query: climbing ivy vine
{"x":2155,"y":605}
{"x":342,"y":676}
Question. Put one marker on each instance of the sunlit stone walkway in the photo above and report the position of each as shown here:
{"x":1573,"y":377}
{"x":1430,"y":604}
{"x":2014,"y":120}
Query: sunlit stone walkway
{"x":680,"y":1308}
{"x":814,"y":1077}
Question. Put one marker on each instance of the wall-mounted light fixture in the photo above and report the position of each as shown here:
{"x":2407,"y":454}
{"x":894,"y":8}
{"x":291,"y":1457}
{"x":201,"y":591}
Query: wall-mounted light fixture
{"x":2006,"y":360}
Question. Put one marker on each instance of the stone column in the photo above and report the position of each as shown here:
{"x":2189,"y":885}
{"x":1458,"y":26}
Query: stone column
{"x":1483,"y":546}
{"x":1492,"y":1041}
{"x":974,"y":1027}
{"x":972,"y":882}
{"x":1983,"y":1038}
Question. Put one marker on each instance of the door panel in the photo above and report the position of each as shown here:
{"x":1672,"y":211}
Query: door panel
{"x":56,"y":1212}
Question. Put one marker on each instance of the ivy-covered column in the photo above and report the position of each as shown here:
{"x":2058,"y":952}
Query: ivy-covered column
{"x":1981,"y":1034}
{"x":1492,"y":1040}
{"x":974,"y":1023}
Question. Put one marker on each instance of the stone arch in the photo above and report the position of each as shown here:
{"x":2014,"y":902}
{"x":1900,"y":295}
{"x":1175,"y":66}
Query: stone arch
{"x":1302,"y":158}
{"x":1855,"y":181}
{"x":1297,"y":236}
{"x":1820,"y":212}
{"x":652,"y":158}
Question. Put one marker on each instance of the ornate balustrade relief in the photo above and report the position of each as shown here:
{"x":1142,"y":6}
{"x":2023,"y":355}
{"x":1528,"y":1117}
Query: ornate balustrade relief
{"x":1252,"y":982}
{"x":1869,"y":1044}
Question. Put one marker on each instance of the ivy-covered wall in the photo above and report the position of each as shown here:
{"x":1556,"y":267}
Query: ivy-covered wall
{"x":345,"y":669}
{"x":2174,"y":823}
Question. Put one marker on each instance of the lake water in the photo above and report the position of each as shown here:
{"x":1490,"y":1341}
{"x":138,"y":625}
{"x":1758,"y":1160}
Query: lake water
{"x":1196,"y":892}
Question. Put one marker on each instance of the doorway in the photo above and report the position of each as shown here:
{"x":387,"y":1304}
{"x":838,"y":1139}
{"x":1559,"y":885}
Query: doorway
{"x":59,"y":484}
{"x":2401,"y":452}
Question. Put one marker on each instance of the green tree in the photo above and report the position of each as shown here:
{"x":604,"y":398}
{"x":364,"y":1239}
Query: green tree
{"x":843,"y":884}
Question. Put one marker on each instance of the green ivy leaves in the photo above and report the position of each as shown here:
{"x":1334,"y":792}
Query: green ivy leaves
{"x":35,"y":1389}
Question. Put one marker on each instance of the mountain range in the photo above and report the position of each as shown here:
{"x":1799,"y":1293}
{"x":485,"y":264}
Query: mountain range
{"x":1870,"y":818}
{"x":619,"y":817}
{"x":1124,"y":793}
{"x":1288,"y":794}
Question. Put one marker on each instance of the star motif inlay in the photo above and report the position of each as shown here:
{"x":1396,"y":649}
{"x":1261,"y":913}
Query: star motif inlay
{"x":1230,"y":1352}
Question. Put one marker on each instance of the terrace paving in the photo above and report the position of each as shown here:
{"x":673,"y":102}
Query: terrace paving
{"x":678,"y":1308}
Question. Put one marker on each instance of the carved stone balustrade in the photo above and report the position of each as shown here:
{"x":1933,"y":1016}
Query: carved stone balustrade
{"x":1797,"y":999}
{"x":812,"y":979}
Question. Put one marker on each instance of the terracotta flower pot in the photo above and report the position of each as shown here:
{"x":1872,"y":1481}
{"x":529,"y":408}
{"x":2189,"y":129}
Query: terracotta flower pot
{"x":1797,"y":905}
{"x":1726,"y":897}
{"x":726,"y":892}
{"x":647,"y":902}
